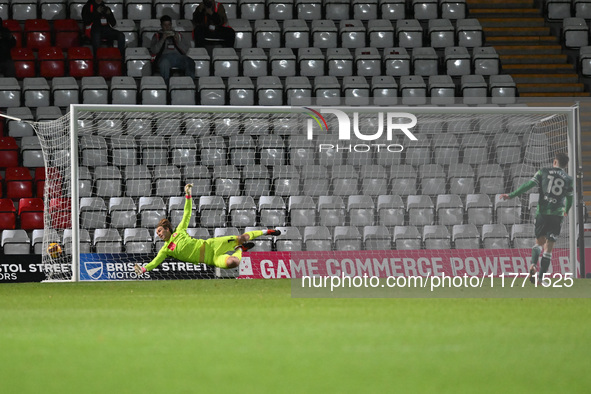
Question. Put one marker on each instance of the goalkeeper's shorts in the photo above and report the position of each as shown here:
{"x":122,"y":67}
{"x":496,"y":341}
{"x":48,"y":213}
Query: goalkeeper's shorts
{"x":220,"y":247}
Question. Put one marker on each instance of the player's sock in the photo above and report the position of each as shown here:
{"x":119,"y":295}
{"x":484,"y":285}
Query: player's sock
{"x":545,"y":264}
{"x":535,"y":254}
{"x":255,"y":234}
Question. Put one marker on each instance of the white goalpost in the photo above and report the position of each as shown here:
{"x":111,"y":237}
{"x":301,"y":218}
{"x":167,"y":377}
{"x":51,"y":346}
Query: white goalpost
{"x":367,"y":182}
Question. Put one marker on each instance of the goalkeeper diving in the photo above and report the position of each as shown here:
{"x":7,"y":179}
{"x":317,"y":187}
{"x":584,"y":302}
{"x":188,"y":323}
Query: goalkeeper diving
{"x":223,"y":252}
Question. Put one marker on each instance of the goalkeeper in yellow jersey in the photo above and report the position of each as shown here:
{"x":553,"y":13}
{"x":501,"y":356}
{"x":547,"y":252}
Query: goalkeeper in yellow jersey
{"x":223,"y":252}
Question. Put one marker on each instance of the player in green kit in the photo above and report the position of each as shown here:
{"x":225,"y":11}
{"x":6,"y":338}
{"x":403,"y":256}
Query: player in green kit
{"x":223,"y":252}
{"x":556,"y":198}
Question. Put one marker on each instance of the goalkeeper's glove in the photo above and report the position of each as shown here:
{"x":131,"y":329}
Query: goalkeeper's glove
{"x":188,"y":188}
{"x":139,"y":270}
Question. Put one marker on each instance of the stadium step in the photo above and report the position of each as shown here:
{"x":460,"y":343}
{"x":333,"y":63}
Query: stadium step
{"x":529,"y":50}
{"x":520,"y":49}
{"x":554,"y":94}
{"x":556,"y":68}
{"x":522,"y":40}
{"x":509,"y":22}
{"x":545,"y":78}
{"x":516,"y":31}
{"x":533,"y":59}
{"x":509,"y":12}
{"x":549,"y":87}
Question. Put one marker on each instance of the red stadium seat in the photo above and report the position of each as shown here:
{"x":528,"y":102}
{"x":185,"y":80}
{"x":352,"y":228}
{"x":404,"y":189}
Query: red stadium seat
{"x":24,"y":62}
{"x":80,"y":62}
{"x":60,"y":211}
{"x":51,"y":62}
{"x":37,"y":33}
{"x":15,"y":27}
{"x":8,"y":152}
{"x":66,"y":33}
{"x":39,"y":181}
{"x":19,"y":182}
{"x":56,"y":184}
{"x":30,"y":211}
{"x":7,"y":214}
{"x":109,"y":62}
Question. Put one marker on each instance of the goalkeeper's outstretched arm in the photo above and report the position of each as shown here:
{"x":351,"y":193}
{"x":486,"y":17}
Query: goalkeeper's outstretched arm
{"x":188,"y":210}
{"x":160,"y":257}
{"x":165,"y":233}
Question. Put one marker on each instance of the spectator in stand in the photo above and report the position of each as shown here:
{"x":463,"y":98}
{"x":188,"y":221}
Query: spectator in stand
{"x":99,"y":21}
{"x":7,"y":42}
{"x":210,"y":22}
{"x":170,"y":50}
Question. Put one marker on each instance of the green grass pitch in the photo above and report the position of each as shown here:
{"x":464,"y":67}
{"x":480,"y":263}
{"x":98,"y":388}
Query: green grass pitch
{"x":251,"y":336}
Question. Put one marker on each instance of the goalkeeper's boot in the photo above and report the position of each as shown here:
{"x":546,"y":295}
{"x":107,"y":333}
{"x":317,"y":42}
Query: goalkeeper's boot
{"x":245,"y":246}
{"x":274,"y":232}
{"x":533,"y":271}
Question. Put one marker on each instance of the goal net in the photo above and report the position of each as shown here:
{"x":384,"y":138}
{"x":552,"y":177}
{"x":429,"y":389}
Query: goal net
{"x":407,"y":189}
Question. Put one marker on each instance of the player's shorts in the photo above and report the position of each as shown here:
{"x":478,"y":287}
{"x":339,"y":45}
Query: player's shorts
{"x":548,"y":226}
{"x":220,"y":247}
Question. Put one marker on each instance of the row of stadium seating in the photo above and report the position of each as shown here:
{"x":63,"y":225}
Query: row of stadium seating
{"x":269,"y":90}
{"x":270,"y":33}
{"x":243,"y":211}
{"x":558,"y":10}
{"x":247,"y":9}
{"x":356,"y":210}
{"x":273,"y":150}
{"x":314,"y":180}
{"x":310,"y":238}
{"x":256,"y":62}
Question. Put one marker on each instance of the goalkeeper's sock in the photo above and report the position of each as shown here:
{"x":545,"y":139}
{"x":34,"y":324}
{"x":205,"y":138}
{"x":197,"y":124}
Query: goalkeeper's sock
{"x":545,"y":264}
{"x":535,"y":254}
{"x":255,"y":234}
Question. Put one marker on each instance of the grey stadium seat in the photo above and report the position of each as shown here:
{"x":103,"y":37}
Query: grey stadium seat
{"x":391,"y":210}
{"x":93,"y":212}
{"x":377,"y":238}
{"x":242,"y":211}
{"x":107,"y":240}
{"x":479,"y":209}
{"x":347,"y":238}
{"x":272,"y":211}
{"x":465,"y":236}
{"x":436,"y":237}
{"x":302,"y":211}
{"x":495,"y":236}
{"x":317,"y":238}
{"x":360,"y":210}
{"x":256,"y":180}
{"x":420,"y":210}
{"x":151,"y":210}
{"x":450,"y":210}
{"x":137,"y":240}
{"x":507,"y":211}
{"x":331,"y":211}
{"x":138,"y":181}
{"x":123,"y":212}
{"x":289,"y":241}
{"x":212,"y":211}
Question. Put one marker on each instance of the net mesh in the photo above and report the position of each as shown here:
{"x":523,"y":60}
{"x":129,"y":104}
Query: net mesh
{"x":253,"y":169}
